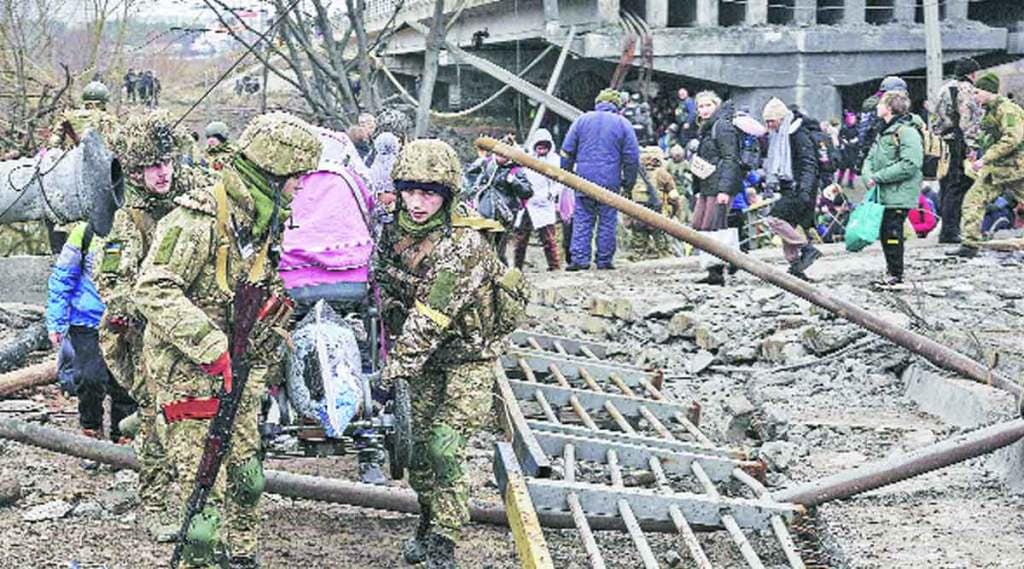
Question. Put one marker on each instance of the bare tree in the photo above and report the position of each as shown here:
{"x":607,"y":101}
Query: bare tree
{"x":311,"y":58}
{"x":431,"y":55}
{"x":31,"y":90}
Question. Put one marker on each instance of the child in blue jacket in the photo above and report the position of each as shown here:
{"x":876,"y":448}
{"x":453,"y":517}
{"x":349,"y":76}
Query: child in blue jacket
{"x":74,"y":309}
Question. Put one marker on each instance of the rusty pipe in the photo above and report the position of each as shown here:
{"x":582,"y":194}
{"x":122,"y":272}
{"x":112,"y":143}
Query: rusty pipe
{"x":931,"y":350}
{"x":871,"y":476}
{"x":302,"y":486}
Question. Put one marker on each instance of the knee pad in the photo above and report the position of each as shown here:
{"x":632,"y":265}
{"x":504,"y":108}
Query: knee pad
{"x":247,"y":481}
{"x":202,"y":542}
{"x":444,"y":450}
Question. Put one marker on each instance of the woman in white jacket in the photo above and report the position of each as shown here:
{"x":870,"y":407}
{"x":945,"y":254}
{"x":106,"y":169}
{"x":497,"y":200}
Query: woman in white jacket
{"x":541,"y":211}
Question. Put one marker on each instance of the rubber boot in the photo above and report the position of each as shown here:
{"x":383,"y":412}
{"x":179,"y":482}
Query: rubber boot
{"x":441,"y":553}
{"x":415,"y":550}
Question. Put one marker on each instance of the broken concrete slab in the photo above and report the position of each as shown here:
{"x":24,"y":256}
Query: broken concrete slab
{"x":606,"y":307}
{"x":54,"y":510}
{"x":707,"y":339}
{"x":956,"y":401}
{"x":700,"y":362}
{"x":682,"y":325}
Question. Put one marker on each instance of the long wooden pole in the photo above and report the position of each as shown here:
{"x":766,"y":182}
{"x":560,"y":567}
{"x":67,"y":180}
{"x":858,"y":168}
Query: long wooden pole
{"x":929,"y":349}
{"x":31,"y":376}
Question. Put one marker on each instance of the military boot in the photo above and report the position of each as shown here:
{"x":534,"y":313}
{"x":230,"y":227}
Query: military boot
{"x":161,"y":527}
{"x":441,"y":553}
{"x":414,"y":551}
{"x":243,"y":563}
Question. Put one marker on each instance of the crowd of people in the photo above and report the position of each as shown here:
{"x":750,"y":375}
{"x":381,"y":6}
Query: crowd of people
{"x":715,"y":163}
{"x":142,"y":87}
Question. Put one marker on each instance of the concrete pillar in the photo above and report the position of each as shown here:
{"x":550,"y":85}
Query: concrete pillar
{"x":757,"y":12}
{"x":551,"y":10}
{"x":707,"y":13}
{"x":657,"y":13}
{"x":805,"y":12}
{"x":904,"y":11}
{"x":854,"y":11}
{"x":956,"y":9}
{"x":608,"y":10}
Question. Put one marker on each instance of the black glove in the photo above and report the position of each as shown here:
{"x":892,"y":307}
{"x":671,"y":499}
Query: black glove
{"x":381,"y":394}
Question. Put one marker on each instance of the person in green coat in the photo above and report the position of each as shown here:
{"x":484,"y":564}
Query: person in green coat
{"x":893,"y":167}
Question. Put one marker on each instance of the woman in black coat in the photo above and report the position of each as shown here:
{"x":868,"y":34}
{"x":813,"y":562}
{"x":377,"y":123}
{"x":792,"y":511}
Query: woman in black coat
{"x":717,"y":175}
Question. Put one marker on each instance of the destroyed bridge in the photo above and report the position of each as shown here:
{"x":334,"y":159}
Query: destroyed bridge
{"x":822,"y":55}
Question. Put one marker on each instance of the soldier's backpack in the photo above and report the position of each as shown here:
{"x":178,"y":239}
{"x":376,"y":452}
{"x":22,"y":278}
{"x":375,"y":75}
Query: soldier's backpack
{"x":936,"y":152}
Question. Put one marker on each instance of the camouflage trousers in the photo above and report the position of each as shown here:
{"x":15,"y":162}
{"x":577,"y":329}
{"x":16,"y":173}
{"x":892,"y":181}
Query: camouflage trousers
{"x":982,"y":193}
{"x":123,"y":354}
{"x":239,"y":518}
{"x":645,"y":242}
{"x":448,"y":406}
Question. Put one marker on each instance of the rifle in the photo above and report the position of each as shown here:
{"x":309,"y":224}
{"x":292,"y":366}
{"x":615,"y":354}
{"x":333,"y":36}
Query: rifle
{"x":248,"y":300}
{"x":653,"y":201}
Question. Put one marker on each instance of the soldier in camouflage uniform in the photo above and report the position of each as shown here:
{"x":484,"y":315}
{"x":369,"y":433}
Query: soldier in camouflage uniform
{"x":451,"y":303}
{"x":679,"y":167}
{"x":647,"y":242}
{"x":215,"y":237}
{"x":148,"y":149}
{"x":218,"y":144}
{"x":92,"y":114}
{"x":1000,"y":169}
{"x":956,"y":117}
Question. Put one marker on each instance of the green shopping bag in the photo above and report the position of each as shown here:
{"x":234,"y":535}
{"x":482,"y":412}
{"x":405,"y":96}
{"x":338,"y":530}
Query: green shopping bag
{"x":865,"y":222}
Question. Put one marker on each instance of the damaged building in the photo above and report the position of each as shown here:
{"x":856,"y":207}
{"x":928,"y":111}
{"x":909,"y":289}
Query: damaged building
{"x":822,"y":55}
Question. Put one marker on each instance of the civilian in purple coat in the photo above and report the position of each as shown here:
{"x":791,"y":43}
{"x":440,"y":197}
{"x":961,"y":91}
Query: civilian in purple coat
{"x":601,"y":147}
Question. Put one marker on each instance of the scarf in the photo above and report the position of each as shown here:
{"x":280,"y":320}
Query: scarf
{"x":778,"y":165}
{"x":419,"y":230}
{"x":262,"y":193}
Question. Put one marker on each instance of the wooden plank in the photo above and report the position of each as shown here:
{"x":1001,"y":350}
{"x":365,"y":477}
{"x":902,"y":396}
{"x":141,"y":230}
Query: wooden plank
{"x":556,"y":105}
{"x":531,"y":548}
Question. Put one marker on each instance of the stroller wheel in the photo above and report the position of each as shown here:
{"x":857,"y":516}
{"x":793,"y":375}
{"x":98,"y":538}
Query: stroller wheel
{"x":399,"y":441}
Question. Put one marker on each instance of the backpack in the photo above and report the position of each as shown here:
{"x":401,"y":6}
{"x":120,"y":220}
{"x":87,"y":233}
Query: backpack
{"x":936,"y":152}
{"x":748,"y":146}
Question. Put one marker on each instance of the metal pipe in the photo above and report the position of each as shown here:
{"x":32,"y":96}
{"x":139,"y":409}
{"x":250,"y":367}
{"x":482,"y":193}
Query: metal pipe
{"x":84,"y":182}
{"x":931,"y":350}
{"x":871,"y":476}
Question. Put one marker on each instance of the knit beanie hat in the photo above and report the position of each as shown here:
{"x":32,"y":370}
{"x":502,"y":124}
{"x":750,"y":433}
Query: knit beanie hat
{"x":988,"y":82}
{"x":775,"y":110}
{"x":609,"y":96}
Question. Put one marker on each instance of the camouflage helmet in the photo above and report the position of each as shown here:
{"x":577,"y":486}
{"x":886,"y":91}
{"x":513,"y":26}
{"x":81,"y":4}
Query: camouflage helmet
{"x":281,"y":144}
{"x":430,"y":162}
{"x":219,"y":129}
{"x":148,"y":139}
{"x":95,"y":92}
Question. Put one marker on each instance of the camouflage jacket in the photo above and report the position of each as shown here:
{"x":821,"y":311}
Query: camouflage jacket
{"x":681,"y":174}
{"x":438,"y":298}
{"x":971,"y":113}
{"x":130,"y":237}
{"x":80,"y":120}
{"x":1003,"y":133}
{"x":187,"y":314}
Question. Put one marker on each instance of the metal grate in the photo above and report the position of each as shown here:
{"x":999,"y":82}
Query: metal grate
{"x":603,"y":422}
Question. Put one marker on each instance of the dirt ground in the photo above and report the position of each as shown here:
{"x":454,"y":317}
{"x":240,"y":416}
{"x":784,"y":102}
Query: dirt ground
{"x":813,"y":421}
